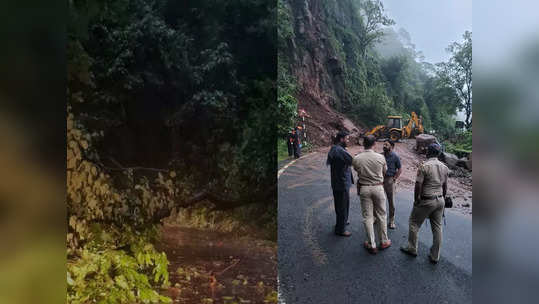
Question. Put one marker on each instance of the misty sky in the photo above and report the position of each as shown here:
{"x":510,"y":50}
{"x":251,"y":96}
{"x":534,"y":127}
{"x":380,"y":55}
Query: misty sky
{"x":432,"y":24}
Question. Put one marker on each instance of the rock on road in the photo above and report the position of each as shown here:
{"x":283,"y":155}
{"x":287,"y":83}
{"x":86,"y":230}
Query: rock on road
{"x":316,"y":266}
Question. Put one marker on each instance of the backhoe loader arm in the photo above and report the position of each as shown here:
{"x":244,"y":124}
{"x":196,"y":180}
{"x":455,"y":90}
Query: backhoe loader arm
{"x":414,"y":123}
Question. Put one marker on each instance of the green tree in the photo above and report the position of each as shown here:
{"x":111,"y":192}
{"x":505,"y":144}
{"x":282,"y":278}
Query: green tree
{"x":372,"y":20}
{"x":457,"y":73}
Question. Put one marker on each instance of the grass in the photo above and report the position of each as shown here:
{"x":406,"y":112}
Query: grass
{"x":282,"y":150}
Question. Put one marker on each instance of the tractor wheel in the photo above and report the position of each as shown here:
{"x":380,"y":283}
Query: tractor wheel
{"x":394,"y":136}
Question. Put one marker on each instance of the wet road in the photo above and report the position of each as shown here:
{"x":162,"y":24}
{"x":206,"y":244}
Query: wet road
{"x":315,"y":266}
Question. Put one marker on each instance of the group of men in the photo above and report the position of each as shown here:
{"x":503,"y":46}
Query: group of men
{"x":376,"y":177}
{"x":293,"y":142}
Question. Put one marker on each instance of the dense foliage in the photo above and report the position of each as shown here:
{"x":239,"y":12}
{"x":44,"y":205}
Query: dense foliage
{"x":190,"y":83}
{"x":109,"y":257}
{"x":166,"y":98}
{"x":286,"y":84}
{"x":460,"y":143}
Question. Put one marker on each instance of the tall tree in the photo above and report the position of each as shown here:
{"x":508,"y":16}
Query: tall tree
{"x":457,"y":73}
{"x":373,"y":18}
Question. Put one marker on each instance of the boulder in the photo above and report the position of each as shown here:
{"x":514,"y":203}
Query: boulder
{"x":468,"y":165}
{"x":422,"y":141}
{"x":469,"y":162}
{"x":451,"y":160}
{"x":462,"y":162}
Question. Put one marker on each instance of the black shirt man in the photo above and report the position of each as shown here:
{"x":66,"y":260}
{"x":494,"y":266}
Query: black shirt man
{"x":341,"y":180}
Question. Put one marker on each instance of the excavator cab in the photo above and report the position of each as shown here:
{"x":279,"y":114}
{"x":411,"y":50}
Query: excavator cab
{"x":393,"y":128}
{"x":394,"y":122}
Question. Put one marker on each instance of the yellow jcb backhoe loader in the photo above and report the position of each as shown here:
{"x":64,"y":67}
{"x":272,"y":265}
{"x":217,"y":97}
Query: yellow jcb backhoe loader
{"x":394,"y":129}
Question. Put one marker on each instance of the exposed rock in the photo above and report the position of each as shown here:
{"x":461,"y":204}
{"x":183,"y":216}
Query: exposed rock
{"x":451,"y":160}
{"x":462,"y":162}
{"x":469,"y":162}
{"x":318,"y":70}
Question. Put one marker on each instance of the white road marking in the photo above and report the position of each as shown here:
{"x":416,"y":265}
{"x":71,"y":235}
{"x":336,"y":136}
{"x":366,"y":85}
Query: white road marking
{"x":290,"y":163}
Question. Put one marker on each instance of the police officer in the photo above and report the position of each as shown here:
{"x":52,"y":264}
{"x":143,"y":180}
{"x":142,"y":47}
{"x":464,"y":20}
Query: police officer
{"x":392,"y":174}
{"x":341,"y":181}
{"x":430,"y":188}
{"x":371,"y":168}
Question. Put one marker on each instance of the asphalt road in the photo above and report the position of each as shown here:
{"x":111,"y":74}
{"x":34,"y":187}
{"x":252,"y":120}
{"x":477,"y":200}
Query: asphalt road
{"x":316,"y":266}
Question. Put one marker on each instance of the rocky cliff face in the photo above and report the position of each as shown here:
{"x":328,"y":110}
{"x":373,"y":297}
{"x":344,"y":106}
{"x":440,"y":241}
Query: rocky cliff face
{"x":316,"y":65}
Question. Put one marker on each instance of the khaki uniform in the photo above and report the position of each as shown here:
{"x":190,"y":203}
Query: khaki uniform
{"x":371,"y":167}
{"x":432,"y":174}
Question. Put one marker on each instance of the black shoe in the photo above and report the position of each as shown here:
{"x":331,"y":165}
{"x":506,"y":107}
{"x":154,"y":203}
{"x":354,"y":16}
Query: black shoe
{"x":345,"y":233}
{"x":433,"y":261}
{"x":347,"y":223}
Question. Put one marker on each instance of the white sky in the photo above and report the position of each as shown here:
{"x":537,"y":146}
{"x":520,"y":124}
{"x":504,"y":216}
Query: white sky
{"x":432,"y":24}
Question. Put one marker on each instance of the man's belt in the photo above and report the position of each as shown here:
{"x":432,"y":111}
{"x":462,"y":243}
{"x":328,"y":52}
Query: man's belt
{"x":424,"y":197}
{"x":377,"y":184}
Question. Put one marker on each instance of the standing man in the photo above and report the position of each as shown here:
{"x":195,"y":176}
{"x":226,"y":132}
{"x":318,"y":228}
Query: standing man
{"x":297,"y":142}
{"x":371,"y":168}
{"x":290,"y":143}
{"x":430,"y":187}
{"x":341,"y":181}
{"x":392,"y":174}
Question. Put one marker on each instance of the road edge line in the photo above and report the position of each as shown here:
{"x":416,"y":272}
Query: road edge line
{"x":281,"y":171}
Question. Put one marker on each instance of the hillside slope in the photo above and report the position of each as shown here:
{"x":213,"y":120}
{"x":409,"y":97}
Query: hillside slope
{"x":317,"y":68}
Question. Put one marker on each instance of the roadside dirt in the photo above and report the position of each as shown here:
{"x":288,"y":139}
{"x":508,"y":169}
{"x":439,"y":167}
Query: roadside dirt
{"x":324,"y":122}
{"x":214,"y":267}
{"x":459,"y":184}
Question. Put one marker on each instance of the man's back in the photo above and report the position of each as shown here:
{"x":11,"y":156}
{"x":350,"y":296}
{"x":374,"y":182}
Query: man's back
{"x":433,"y":174}
{"x":370,"y":167}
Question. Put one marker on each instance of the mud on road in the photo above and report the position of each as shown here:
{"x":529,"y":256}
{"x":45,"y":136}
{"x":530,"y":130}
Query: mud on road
{"x":214,"y":267}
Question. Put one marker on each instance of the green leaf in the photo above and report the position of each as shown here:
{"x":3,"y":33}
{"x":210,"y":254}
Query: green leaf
{"x":69,"y":279}
{"x":120,"y":281}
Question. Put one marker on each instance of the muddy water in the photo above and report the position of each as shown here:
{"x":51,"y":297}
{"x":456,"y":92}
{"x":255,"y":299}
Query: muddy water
{"x":213,"y":267}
